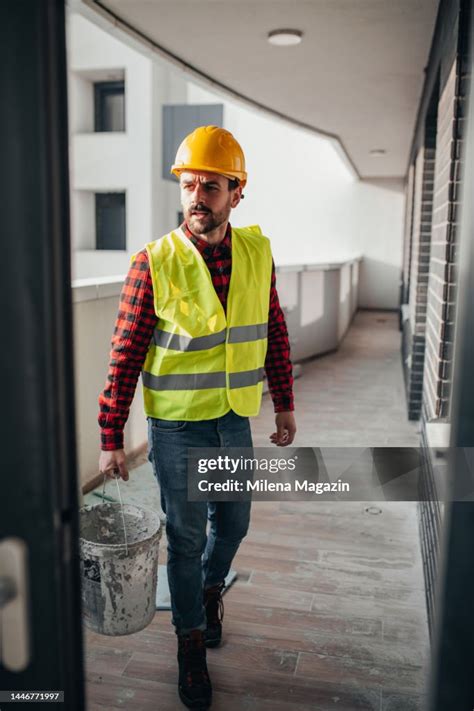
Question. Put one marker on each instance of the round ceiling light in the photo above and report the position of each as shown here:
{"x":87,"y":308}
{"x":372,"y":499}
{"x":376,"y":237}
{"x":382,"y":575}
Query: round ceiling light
{"x":284,"y":38}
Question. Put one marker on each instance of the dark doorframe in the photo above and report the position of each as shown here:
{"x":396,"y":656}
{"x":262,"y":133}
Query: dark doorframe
{"x":39,"y":479}
{"x":452,"y":683}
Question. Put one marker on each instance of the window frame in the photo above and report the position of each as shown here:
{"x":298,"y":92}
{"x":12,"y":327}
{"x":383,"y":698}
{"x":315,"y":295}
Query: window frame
{"x":103,"y":89}
{"x":98,"y":233}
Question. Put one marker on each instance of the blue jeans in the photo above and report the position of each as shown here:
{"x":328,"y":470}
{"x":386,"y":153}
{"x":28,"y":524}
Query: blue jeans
{"x":195,"y":559}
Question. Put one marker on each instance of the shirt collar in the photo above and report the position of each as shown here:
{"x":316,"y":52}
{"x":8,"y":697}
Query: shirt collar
{"x":223,"y":248}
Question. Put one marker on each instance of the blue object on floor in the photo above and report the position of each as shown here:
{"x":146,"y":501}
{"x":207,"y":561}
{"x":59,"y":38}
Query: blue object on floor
{"x":163,"y":601}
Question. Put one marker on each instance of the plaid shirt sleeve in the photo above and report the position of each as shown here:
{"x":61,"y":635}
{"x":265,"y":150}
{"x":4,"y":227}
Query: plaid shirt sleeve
{"x":134,"y":326}
{"x":278,"y":366}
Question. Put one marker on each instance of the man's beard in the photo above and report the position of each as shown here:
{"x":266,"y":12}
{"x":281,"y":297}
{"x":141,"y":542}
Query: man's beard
{"x":206,"y":223}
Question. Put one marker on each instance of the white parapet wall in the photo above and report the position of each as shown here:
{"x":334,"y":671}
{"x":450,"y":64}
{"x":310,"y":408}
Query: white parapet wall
{"x":319,"y":301}
{"x":95,"y":305}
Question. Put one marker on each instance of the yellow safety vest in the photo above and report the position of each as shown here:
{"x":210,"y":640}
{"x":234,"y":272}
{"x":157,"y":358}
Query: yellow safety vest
{"x":201,"y":361}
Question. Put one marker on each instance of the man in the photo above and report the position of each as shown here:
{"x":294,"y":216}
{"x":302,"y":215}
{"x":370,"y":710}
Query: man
{"x":202,"y":341}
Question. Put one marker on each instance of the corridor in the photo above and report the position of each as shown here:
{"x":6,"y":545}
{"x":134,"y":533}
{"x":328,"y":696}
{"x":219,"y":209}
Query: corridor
{"x":328,"y":611}
{"x":353,"y":397}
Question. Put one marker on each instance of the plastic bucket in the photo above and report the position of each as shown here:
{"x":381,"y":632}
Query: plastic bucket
{"x":119,"y":576}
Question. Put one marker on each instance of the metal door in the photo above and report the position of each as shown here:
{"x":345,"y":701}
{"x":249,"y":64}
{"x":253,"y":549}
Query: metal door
{"x":40,"y":620}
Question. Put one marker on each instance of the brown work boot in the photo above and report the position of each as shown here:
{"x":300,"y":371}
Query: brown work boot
{"x":214,"y":614}
{"x":194,"y":685}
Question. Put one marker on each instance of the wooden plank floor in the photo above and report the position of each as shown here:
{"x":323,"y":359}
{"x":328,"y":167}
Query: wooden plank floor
{"x":354,"y":396}
{"x":328,"y":611}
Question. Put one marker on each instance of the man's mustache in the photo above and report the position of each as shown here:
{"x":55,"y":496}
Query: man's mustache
{"x":199,"y":208}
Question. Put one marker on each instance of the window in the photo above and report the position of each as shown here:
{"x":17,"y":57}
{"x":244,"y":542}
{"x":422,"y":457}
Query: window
{"x":110,"y":221}
{"x":109,"y":98}
{"x":181,"y":119}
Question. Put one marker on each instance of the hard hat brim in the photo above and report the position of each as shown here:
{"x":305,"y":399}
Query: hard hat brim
{"x":177,"y":169}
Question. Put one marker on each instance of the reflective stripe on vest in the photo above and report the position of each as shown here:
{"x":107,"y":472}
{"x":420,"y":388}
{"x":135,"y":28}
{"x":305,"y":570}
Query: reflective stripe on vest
{"x":195,"y":381}
{"x":202,"y":381}
{"x":245,"y":378}
{"x":175,"y":342}
{"x":237,"y":334}
{"x":241,"y":334}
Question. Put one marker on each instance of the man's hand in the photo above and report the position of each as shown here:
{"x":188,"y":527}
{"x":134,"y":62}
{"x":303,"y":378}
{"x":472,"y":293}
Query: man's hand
{"x":113,"y":462}
{"x":286,"y":429}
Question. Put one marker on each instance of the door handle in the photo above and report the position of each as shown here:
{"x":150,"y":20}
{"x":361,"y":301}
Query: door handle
{"x":8,"y":590}
{"x":14,"y":596}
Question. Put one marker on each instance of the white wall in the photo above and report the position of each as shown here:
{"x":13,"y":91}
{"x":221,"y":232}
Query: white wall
{"x":95,"y":310}
{"x":82,"y":217}
{"x":81,"y":103}
{"x":170,"y":88}
{"x":128,"y":161}
{"x":378,"y":208}
{"x":307,"y":200}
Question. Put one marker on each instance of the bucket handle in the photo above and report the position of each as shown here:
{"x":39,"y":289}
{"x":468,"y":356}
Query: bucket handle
{"x":121,"y":507}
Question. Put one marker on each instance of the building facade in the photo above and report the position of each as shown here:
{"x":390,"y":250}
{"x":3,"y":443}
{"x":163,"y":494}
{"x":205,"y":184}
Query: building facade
{"x":431,"y":244}
{"x":119,"y":197}
{"x":128,"y":112}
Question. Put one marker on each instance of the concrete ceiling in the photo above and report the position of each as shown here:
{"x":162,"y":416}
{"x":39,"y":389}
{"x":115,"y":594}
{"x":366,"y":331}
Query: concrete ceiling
{"x":358,"y":73}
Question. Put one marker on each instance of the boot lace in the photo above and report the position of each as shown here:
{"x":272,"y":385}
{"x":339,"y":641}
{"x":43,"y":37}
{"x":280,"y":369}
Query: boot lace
{"x":195,"y":660}
{"x":214,"y":604}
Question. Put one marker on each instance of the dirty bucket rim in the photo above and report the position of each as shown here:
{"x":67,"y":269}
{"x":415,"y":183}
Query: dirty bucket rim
{"x":87,"y":542}
{"x":111,"y":505}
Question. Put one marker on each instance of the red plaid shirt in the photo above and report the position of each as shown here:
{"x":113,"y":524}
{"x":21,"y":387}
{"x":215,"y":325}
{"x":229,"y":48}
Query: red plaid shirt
{"x":137,"y":319}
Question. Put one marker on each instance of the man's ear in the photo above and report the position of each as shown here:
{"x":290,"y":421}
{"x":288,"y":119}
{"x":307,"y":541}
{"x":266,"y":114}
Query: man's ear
{"x":236,"y":197}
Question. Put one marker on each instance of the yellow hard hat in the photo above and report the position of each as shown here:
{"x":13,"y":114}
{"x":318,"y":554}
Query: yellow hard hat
{"x":212,"y":149}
